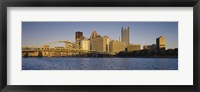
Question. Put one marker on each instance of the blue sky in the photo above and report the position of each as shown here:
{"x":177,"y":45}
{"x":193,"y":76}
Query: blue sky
{"x":144,"y":33}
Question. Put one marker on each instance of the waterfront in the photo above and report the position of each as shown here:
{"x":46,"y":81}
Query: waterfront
{"x":64,"y":63}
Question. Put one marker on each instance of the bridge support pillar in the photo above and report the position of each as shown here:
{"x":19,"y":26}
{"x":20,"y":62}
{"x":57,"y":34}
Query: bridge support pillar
{"x":40,"y":54}
{"x":26,"y":54}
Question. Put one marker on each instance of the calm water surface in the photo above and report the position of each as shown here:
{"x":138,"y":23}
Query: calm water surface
{"x":62,"y":63}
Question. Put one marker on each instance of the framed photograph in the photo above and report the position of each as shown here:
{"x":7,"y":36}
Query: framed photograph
{"x":131,"y":45}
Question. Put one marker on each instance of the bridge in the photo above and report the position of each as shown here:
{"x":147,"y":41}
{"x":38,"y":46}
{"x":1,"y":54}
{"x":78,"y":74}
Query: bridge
{"x":70,"y":49}
{"x":45,"y":50}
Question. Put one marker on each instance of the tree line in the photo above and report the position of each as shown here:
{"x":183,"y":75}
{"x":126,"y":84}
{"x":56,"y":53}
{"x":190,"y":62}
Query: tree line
{"x":149,"y":53}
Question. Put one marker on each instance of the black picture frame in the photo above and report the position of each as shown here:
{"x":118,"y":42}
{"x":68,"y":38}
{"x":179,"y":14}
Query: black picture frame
{"x":100,"y":3}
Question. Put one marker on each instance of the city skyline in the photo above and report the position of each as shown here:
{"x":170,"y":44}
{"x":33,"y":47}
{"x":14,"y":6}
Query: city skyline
{"x":40,"y":33}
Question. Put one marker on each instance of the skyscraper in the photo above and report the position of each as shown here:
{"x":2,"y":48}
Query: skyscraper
{"x":116,"y":46}
{"x":160,"y":43}
{"x":125,"y":35}
{"x":85,"y":44}
{"x":94,"y":35}
{"x":100,"y":44}
{"x":78,"y":36}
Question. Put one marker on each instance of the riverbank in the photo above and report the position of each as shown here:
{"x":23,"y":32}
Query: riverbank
{"x":108,"y":57}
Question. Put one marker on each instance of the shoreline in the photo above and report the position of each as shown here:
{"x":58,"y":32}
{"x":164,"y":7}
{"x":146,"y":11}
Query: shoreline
{"x":105,"y":57}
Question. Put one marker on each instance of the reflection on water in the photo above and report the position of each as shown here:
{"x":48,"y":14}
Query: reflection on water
{"x":61,"y":63}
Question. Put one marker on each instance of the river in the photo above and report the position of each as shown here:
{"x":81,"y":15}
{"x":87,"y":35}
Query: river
{"x":64,"y":63}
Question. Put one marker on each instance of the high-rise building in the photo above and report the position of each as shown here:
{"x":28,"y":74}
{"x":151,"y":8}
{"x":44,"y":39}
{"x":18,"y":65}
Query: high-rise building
{"x":78,"y":36}
{"x":85,"y":44}
{"x":100,"y":44}
{"x":125,"y":35}
{"x":116,"y":46}
{"x":94,"y":35}
{"x":160,"y":43}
